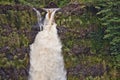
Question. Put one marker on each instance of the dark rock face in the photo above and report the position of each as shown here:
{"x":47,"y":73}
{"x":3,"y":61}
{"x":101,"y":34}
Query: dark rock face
{"x":77,"y":50}
{"x":73,"y":9}
{"x":70,"y":9}
{"x":12,"y":73}
{"x":51,"y":5}
{"x":94,"y":70}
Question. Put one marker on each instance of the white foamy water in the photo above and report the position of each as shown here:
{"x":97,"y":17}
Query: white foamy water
{"x":46,"y":60}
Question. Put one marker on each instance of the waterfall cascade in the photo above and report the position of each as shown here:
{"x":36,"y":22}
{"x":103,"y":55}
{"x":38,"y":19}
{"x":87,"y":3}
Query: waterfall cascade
{"x":46,"y":60}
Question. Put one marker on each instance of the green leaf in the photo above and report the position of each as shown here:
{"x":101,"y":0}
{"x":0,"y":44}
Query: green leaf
{"x":103,"y":11}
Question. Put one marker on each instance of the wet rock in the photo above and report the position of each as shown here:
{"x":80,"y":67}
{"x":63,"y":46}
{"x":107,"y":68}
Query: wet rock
{"x":35,"y":27}
{"x":51,"y":5}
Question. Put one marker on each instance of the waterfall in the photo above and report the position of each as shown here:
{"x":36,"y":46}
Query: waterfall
{"x":46,"y":60}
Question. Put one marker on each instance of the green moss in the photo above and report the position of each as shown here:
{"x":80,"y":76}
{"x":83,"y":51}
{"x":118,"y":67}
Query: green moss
{"x":71,"y":61}
{"x":73,"y":78}
{"x":12,"y":40}
{"x":23,"y":40}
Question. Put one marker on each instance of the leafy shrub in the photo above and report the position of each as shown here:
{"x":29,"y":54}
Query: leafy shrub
{"x":110,"y":19}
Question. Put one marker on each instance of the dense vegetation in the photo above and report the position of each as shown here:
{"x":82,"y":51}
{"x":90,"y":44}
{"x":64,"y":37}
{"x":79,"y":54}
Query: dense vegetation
{"x":91,"y":39}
